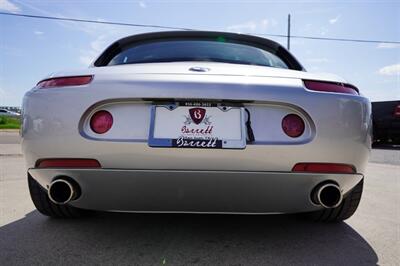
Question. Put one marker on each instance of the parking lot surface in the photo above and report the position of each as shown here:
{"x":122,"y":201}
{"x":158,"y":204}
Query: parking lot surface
{"x":370,"y":237}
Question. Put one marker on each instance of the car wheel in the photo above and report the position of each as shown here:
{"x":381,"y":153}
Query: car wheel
{"x":45,"y":206}
{"x":344,"y":211}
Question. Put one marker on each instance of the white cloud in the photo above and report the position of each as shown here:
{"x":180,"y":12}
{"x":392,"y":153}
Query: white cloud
{"x":101,"y":34}
{"x":96,"y":47}
{"x":99,"y":44}
{"x":334,"y":20}
{"x":388,"y":45}
{"x":89,"y":28}
{"x":8,"y":6}
{"x":142,"y":4}
{"x":247,"y":26}
{"x":86,"y":59}
{"x":102,"y":39}
{"x":38,"y":32}
{"x":391,"y":70}
{"x":95,"y":31}
{"x":253,"y":25}
{"x":323,"y":31}
{"x":318,"y":60}
{"x":314,"y":69}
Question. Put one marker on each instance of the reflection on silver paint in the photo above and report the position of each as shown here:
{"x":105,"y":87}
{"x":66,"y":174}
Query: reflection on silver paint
{"x":338,"y":130}
{"x":199,"y":69}
{"x":337,"y":138}
{"x":196,"y":191}
{"x":266,"y":120}
{"x":37,"y":125}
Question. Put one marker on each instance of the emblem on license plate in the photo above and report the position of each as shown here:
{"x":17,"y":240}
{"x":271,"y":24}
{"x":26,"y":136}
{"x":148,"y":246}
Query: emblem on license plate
{"x":199,"y":136}
{"x":197,"y":115}
{"x":197,"y":126}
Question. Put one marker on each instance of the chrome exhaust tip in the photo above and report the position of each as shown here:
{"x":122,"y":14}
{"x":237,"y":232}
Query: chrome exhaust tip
{"x":61,"y":191}
{"x":328,"y":195}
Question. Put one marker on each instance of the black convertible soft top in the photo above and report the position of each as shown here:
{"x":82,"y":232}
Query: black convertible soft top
{"x":262,"y":43}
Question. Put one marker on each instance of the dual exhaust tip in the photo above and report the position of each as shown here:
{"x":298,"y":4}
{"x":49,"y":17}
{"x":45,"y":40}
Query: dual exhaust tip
{"x":328,"y":195}
{"x":63,"y":190}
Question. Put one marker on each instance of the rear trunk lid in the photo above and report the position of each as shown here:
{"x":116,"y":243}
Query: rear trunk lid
{"x":201,"y":69}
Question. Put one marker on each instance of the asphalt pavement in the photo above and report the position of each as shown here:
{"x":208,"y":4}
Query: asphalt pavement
{"x":370,"y":237}
{"x":9,"y":136}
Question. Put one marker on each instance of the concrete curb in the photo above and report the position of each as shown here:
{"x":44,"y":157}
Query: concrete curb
{"x":12,"y":155}
{"x":9,"y":130}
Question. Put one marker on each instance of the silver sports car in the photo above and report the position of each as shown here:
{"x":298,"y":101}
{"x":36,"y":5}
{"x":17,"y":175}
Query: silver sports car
{"x":199,"y":122}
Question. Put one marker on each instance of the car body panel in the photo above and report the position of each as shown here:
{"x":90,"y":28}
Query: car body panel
{"x":340,"y":121}
{"x":195,"y":191}
{"x":183,"y":68}
{"x":136,"y":177}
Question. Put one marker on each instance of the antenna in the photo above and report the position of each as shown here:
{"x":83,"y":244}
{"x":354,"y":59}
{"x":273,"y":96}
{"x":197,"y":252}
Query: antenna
{"x":288,"y":32}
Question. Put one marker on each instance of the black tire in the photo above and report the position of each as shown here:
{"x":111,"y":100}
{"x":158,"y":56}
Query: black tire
{"x":44,"y":205}
{"x":344,"y":211}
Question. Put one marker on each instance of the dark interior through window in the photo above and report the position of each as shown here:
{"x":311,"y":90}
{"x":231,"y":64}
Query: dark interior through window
{"x":197,"y":50}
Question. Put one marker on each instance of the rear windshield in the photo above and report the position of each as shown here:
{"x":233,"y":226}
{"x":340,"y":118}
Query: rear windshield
{"x":197,"y":50}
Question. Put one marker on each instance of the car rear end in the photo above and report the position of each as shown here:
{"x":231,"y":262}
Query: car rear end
{"x":300,"y":133}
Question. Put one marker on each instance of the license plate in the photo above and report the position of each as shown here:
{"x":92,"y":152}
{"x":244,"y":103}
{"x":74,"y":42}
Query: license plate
{"x":201,"y":125}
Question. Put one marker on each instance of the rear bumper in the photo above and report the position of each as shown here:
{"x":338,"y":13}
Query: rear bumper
{"x":195,"y":191}
{"x":55,"y":123}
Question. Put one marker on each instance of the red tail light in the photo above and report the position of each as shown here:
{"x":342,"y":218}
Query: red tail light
{"x":324,"y":168}
{"x":330,"y":87}
{"x":68,"y":163}
{"x":64,"y":81}
{"x":396,"y":112}
{"x":101,"y":122}
{"x":293,"y":125}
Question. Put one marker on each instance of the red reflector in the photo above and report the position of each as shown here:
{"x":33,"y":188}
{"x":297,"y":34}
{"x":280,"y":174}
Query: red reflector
{"x":293,"y":125}
{"x":330,"y":87}
{"x":397,"y":111}
{"x":101,"y":122}
{"x":324,"y":168}
{"x":64,"y":81}
{"x":68,"y":163}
